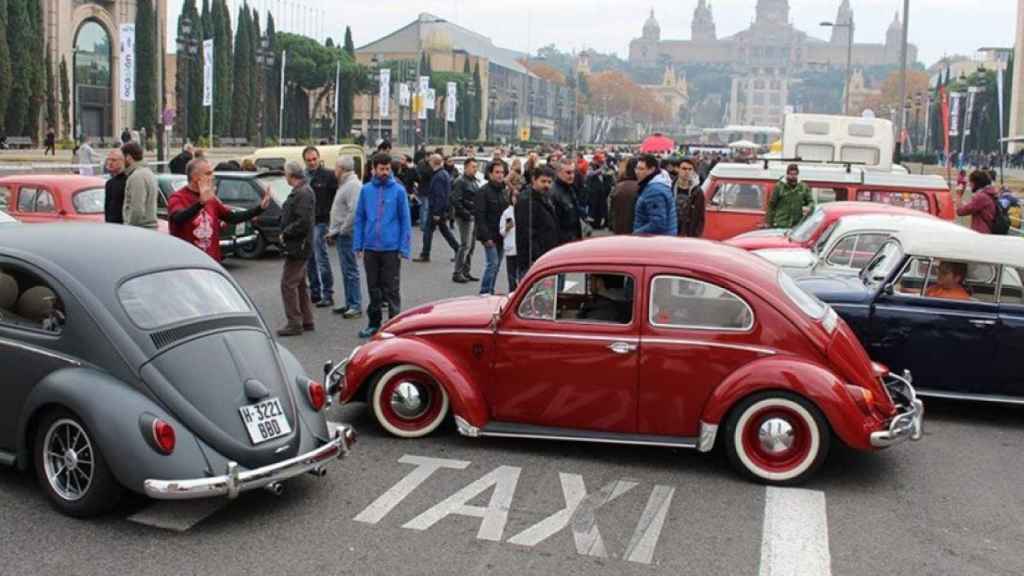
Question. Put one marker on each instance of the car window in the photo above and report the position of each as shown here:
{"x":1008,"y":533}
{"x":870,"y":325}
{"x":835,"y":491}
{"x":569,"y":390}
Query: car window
{"x":882,"y":263}
{"x":44,"y":202}
{"x":26,"y":199}
{"x":5,"y":197}
{"x":805,"y":230}
{"x":580,"y":297}
{"x":28,"y":302}
{"x":825,"y":195}
{"x":912,"y":279}
{"x":842,"y":251}
{"x":739,"y":196}
{"x":1011,"y":291}
{"x":231,"y":191}
{"x":912,"y":200}
{"x":89,"y":201}
{"x":678,"y":302}
{"x":856,"y":250}
{"x":949,"y":280}
{"x":270,"y":163}
{"x":197,"y":294}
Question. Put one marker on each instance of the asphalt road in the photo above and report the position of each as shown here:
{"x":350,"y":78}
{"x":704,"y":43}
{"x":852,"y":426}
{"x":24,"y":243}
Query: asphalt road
{"x":950,"y":504}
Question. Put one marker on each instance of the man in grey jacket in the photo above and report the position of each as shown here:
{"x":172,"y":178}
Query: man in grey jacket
{"x":339,"y":233}
{"x":140,"y":191}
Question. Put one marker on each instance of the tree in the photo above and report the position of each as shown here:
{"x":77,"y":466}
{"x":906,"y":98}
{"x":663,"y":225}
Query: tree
{"x":347,"y":96}
{"x":272,"y":100}
{"x":19,"y":31}
{"x":5,"y":65}
{"x":183,"y":78}
{"x":475,"y":119}
{"x":147,"y":101}
{"x":51,"y":95}
{"x":37,"y":69}
{"x":241,"y":80}
{"x":887,"y":103}
{"x":256,"y":82}
{"x":222,"y":67}
{"x":65,"y":99}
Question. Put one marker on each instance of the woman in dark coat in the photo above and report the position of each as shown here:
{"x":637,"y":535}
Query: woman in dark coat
{"x":622,"y":201}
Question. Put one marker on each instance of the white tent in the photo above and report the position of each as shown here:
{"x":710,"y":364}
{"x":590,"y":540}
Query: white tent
{"x":744,"y":145}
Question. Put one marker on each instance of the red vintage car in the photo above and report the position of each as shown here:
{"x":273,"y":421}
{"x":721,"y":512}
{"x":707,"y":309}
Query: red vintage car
{"x":42,"y":198}
{"x":633,"y":340}
{"x":807,"y":233}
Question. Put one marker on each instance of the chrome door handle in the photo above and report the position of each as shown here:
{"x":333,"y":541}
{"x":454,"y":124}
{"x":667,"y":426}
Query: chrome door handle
{"x":622,"y":347}
{"x":982,"y":323}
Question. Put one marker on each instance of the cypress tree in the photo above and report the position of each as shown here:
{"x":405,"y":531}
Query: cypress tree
{"x":37,"y":67}
{"x":197,"y":113}
{"x":272,"y":102}
{"x":474,"y":124}
{"x":146,"y":85}
{"x":51,"y":95}
{"x":255,"y":82}
{"x":222,"y":67}
{"x":240,"y":72}
{"x":183,"y":77}
{"x":5,"y":65}
{"x":65,"y":99}
{"x":347,"y":105}
{"x":19,"y":31}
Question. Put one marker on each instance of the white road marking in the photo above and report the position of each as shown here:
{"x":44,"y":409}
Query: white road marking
{"x":425,"y":467}
{"x":178,"y":516}
{"x":579,"y":509}
{"x":494,"y":515}
{"x":795,"y":534}
{"x":648,"y":529}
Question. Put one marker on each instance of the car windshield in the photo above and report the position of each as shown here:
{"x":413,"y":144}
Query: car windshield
{"x":807,"y":302}
{"x":194,"y":293}
{"x":803,"y":231}
{"x":882,"y":263}
{"x":279,"y":188}
{"x":819,"y":246}
{"x":89,"y":201}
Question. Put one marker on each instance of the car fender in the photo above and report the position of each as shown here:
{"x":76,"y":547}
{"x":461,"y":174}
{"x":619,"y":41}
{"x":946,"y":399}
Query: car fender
{"x":466,"y":399}
{"x":315,"y":422}
{"x":791,"y":374}
{"x":111,"y":411}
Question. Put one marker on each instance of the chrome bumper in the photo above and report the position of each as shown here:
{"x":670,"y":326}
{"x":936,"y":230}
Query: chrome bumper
{"x":907,"y":425}
{"x":236,"y":481}
{"x":238,"y":241}
{"x":334,"y":375}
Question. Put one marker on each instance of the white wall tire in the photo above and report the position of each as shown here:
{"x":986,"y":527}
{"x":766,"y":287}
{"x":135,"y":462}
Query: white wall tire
{"x":777,"y":438}
{"x":408,"y":402}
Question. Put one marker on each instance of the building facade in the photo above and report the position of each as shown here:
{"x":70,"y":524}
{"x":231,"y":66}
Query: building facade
{"x":87,"y":36}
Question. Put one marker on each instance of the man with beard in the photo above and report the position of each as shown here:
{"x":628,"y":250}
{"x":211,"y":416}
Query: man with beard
{"x":562,"y":197}
{"x":655,"y":206}
{"x":689,"y":200}
{"x":490,"y":203}
{"x":537,"y":223}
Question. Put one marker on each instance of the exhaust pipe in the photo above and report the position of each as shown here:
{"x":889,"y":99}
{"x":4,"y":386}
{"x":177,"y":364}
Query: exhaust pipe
{"x":319,"y":471}
{"x":275,"y":488}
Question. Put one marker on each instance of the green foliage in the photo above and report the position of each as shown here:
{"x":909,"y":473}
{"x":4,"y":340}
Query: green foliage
{"x":19,"y":39}
{"x":51,"y":95}
{"x":186,"y":105}
{"x":197,"y":119}
{"x":819,"y":92}
{"x":256,"y":79}
{"x":65,"y":99}
{"x":477,"y":112}
{"x":347,"y":106}
{"x":241,"y":69}
{"x":984,"y":124}
{"x":5,"y":64}
{"x":37,"y":69}
{"x":147,"y":100}
{"x":222,"y":65}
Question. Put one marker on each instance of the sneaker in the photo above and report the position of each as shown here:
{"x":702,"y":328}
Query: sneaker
{"x":368,"y":332}
{"x":471,"y":278}
{"x":325,"y":303}
{"x":459,"y":279}
{"x":289,"y":331}
{"x":352,"y":313}
{"x":339,"y":309}
{"x":308,"y":327}
{"x":421,"y":259}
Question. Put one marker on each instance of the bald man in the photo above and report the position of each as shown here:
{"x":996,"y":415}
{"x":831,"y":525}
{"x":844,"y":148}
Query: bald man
{"x":113,"y":202}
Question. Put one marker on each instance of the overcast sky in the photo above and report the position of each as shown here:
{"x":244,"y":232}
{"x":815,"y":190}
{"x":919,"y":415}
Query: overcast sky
{"x":938,"y":27}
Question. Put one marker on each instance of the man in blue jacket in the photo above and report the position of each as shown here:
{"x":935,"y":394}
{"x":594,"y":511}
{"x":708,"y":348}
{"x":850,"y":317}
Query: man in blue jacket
{"x":437,"y":204}
{"x":381,"y":230}
{"x":655,"y":205}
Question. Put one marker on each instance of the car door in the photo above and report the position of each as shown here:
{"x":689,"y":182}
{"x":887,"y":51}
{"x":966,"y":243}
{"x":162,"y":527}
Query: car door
{"x":734,"y":207}
{"x":948,"y":345}
{"x":1008,"y":377}
{"x":568,"y":355}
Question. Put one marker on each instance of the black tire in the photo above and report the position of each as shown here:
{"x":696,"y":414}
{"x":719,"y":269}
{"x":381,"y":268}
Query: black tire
{"x":254,"y":250}
{"x":770,"y":459}
{"x":101,"y":492}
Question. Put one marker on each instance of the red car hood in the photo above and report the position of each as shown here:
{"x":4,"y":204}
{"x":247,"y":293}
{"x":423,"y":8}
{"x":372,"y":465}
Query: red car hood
{"x":761,"y":242}
{"x":464,"y":312}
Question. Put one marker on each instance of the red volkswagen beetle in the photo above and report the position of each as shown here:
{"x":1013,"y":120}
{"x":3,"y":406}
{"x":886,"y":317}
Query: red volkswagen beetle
{"x":631,"y":340}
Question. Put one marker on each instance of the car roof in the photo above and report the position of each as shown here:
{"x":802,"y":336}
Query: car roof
{"x":986,"y":248}
{"x":55,"y":181}
{"x":898,"y":221}
{"x":841,"y":209}
{"x":830,"y":174}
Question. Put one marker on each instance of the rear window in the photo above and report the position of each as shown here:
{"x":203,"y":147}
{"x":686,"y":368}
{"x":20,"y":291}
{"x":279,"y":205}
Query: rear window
{"x":89,"y":201}
{"x":804,"y":300}
{"x":912,"y":200}
{"x":164,"y":298}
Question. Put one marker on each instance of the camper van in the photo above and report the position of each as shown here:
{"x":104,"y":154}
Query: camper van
{"x":822,"y":138}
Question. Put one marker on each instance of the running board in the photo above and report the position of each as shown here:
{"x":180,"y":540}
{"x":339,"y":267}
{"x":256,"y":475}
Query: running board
{"x":513,"y":430}
{"x":990,"y":398}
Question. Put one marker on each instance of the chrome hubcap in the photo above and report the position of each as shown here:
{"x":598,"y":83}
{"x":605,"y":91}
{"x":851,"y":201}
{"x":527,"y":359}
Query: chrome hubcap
{"x":68,"y":461}
{"x":776,"y":435}
{"x":409,"y":401}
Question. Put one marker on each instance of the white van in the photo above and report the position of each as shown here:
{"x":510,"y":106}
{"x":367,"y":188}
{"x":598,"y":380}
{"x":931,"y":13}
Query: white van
{"x":828,"y":138}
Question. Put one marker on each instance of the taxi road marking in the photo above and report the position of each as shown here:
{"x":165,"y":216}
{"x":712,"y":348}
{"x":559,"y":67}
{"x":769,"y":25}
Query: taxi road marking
{"x":795,"y":534}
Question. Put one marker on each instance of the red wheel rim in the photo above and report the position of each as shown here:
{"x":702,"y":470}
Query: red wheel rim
{"x":410,"y":400}
{"x":765,"y":439}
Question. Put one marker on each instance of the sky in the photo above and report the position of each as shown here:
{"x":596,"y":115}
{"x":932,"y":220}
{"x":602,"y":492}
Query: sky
{"x":937,"y":27}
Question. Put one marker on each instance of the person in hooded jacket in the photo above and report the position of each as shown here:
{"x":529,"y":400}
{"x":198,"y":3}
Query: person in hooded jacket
{"x":689,"y":200}
{"x":655,"y":205}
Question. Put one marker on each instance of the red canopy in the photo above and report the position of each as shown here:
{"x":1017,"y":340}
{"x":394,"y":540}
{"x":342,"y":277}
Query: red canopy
{"x":657,"y":143}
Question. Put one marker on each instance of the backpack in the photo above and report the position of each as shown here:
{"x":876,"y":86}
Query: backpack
{"x":1001,"y":219}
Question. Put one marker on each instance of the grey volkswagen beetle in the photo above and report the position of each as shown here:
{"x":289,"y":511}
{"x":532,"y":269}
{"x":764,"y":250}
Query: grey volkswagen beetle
{"x":131,"y":360}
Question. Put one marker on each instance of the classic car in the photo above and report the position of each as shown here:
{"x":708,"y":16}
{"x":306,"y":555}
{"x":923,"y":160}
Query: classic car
{"x":274,"y":158}
{"x":850,"y":243}
{"x":145,"y":368}
{"x":737,"y":195}
{"x":6,"y":219}
{"x":633,"y":340}
{"x":233,"y":239}
{"x":39,"y":198}
{"x":806,"y":233}
{"x":244,"y":190}
{"x":961,"y":332}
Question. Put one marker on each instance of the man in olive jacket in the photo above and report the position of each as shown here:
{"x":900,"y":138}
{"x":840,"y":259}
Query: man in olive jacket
{"x":790,"y":201}
{"x":296,"y":245}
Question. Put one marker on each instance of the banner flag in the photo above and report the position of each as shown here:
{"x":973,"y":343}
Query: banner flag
{"x":208,"y":72}
{"x":127,"y":62}
{"x":451,"y":102}
{"x":954,"y":113}
{"x":385,"y":92}
{"x":403,"y":95}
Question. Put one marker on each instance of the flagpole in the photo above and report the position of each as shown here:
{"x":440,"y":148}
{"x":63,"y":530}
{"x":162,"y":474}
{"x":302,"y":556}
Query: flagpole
{"x":337,"y":104}
{"x":280,"y":114}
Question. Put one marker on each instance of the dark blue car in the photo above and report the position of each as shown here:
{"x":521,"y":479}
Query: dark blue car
{"x":948,"y":308}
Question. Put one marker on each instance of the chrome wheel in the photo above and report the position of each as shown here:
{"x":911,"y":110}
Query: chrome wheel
{"x":776,"y":435}
{"x":69,"y":459}
{"x":409,"y":401}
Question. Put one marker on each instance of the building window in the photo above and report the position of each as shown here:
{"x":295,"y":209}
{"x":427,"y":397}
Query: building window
{"x":92,"y":84}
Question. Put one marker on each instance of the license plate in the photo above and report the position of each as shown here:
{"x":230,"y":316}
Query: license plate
{"x":265,"y":421}
{"x":240,"y":229}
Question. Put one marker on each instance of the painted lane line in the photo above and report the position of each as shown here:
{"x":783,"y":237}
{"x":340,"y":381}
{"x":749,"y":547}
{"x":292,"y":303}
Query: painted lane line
{"x":178,"y":516}
{"x":648,"y":529}
{"x":794,"y":541}
{"x":494,"y":516}
{"x":425,"y":468}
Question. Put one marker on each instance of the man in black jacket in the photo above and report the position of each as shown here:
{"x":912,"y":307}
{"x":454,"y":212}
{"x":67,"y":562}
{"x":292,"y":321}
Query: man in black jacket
{"x":179,"y":162}
{"x":324,"y":185}
{"x":297,"y":219}
{"x":562,"y":197}
{"x":536,"y":222}
{"x":438,"y":192}
{"x":463,"y":203}
{"x":600,"y":182}
{"x":491,"y":201}
{"x":113,"y":200}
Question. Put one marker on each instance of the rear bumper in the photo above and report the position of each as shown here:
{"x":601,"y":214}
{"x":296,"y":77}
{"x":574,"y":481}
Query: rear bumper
{"x":233,"y":244}
{"x":908,"y":424}
{"x":236,"y":481}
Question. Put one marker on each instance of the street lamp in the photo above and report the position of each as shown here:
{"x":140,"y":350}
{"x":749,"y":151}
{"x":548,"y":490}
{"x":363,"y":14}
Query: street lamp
{"x":189,"y":47}
{"x":264,"y":57}
{"x":849,"y":57}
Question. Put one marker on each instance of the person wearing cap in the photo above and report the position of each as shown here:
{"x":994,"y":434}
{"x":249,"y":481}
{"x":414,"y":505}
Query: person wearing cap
{"x":790,"y":201}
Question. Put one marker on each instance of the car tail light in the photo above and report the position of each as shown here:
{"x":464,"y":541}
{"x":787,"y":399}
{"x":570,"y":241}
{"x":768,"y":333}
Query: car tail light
{"x":163,"y":436}
{"x":865,"y":400}
{"x":317,"y":394}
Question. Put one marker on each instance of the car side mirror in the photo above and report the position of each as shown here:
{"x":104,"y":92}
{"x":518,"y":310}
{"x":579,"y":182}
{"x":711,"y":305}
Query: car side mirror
{"x":889,"y":290}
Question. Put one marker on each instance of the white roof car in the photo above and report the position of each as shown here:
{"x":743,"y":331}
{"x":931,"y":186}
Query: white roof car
{"x":982,"y":248}
{"x":851,"y":241}
{"x":829,"y":173}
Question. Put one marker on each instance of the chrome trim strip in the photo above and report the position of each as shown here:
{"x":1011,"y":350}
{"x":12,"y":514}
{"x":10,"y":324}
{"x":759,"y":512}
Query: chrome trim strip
{"x":989,"y":398}
{"x":465,"y":428}
{"x":849,"y":305}
{"x":684,"y":444}
{"x":940,"y":312}
{"x":433,"y":332}
{"x":39,"y":350}
{"x":708,"y":433}
{"x":710,"y":344}
{"x":566,"y":336}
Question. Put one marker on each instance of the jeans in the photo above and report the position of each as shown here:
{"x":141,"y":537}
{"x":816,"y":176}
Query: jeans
{"x":464,"y":258}
{"x":383,"y":271}
{"x":512,"y":270}
{"x":318,"y":267}
{"x":349,"y":272}
{"x":493,"y":255}
{"x":424,"y":214}
{"x":428,"y":236}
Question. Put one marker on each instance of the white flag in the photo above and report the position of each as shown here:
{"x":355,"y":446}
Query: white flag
{"x":208,"y":72}
{"x":999,"y":91}
{"x":403,"y":95}
{"x":954,"y":113}
{"x":385,"y":91}
{"x":431,"y":99}
{"x":424,"y":87}
{"x":127,"y":62}
{"x":451,"y":102}
{"x":971,"y":93}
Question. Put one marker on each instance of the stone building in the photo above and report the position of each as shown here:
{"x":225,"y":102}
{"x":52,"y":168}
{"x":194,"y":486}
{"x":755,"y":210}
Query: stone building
{"x":87,"y":35}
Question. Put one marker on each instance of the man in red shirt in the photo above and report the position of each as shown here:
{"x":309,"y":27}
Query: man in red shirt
{"x":195,"y":213}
